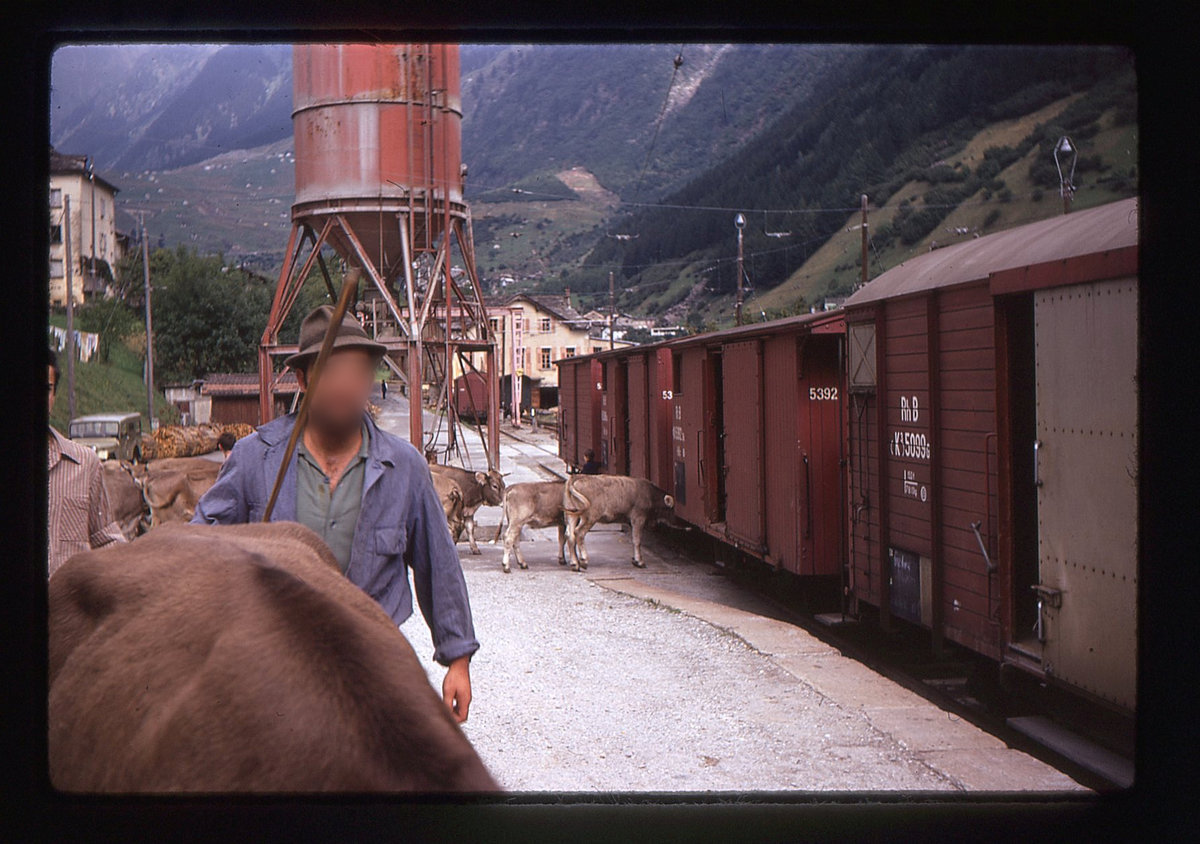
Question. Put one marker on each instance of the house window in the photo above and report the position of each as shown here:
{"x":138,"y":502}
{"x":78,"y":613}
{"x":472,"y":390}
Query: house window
{"x":569,"y":352}
{"x":56,"y":234}
{"x":56,"y":268}
{"x":495,"y":322}
{"x":545,"y":325}
{"x":544,"y":357}
{"x":56,"y":197}
{"x":596,"y":349}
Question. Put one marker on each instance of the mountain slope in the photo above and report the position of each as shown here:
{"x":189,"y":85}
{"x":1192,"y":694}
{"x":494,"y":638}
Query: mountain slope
{"x":891,"y":121}
{"x":597,"y":106}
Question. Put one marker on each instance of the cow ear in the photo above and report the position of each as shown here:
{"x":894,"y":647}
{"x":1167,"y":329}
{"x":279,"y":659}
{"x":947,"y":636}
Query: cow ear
{"x":481,"y":477}
{"x":669,"y":500}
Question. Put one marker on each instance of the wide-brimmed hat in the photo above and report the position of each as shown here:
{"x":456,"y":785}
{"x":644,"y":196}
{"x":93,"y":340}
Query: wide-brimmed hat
{"x":312,"y":334}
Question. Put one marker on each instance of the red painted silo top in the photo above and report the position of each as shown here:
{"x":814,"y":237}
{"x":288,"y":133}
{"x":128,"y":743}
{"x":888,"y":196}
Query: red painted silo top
{"x":376,"y":121}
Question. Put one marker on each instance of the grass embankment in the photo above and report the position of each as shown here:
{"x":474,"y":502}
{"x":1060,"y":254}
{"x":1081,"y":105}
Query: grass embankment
{"x":115,"y":386}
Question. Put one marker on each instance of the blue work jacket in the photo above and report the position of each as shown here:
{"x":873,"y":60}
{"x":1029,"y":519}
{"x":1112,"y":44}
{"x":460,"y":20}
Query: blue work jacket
{"x":401,"y":525}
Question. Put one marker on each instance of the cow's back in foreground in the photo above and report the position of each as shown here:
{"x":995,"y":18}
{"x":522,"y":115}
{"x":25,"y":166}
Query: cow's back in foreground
{"x":238,"y":658}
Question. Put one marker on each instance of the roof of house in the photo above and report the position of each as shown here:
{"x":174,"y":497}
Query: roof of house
{"x":556,"y":304}
{"x":66,"y":163}
{"x":244,"y":384}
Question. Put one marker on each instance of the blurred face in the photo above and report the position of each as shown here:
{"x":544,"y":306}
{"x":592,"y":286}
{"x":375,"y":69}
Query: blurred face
{"x":342,"y":393}
{"x":51,"y":386}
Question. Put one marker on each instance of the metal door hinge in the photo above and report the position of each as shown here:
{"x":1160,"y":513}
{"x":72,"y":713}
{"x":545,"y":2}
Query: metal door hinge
{"x":1050,"y":595}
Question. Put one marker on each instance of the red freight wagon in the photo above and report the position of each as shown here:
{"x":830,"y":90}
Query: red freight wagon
{"x":757,"y":439}
{"x":992,"y":447}
{"x":614,"y":418}
{"x":581,"y":388}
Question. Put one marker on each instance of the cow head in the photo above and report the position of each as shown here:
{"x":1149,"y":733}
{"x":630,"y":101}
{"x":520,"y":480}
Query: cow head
{"x":664,"y":509}
{"x":492,"y":484}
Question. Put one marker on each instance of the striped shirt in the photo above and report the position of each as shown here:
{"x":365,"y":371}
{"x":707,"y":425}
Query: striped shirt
{"x":78,"y":516}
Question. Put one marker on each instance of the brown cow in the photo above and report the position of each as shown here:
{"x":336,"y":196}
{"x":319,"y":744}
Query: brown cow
{"x":600,"y":499}
{"x":125,"y":499}
{"x":238,"y":658}
{"x":173,"y":486}
{"x":536,"y":505}
{"x":478,"y":488}
{"x":451,"y":496}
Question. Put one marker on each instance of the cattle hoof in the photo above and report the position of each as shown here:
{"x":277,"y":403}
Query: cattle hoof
{"x":574,"y":568}
{"x":476,"y":551}
{"x":639,"y":565}
{"x":562,"y":562}
{"x":524,"y":566}
{"x":506,"y":569}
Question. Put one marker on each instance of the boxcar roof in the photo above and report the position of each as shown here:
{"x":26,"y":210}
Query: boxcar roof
{"x":1106,"y":227}
{"x":758,"y":328}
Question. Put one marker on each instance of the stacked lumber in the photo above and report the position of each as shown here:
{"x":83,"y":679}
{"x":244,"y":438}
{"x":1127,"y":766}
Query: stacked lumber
{"x":188,"y":440}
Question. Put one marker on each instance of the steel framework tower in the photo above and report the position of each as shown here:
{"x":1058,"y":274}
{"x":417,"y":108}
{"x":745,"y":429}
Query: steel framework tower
{"x":379,"y":180}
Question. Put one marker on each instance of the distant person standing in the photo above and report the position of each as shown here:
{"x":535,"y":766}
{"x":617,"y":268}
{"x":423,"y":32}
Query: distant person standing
{"x":591,"y":465}
{"x":78,"y":517}
{"x":383,"y":387}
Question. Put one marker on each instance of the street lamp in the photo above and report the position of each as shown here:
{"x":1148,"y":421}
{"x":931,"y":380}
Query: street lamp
{"x":739,"y":223}
{"x":1066,"y":186}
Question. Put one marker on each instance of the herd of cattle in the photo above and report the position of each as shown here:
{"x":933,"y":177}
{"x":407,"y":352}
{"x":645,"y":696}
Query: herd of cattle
{"x":145,"y":496}
{"x":573,"y":506}
{"x":238,"y":658}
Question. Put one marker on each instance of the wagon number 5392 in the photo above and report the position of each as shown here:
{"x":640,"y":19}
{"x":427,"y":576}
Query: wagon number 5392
{"x":822,"y":393}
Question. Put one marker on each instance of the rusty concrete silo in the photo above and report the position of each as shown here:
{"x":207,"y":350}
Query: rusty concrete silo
{"x":379,"y":179}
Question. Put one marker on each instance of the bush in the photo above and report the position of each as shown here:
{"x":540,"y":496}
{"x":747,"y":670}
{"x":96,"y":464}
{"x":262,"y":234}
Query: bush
{"x":992,"y":218}
{"x":1037,"y":195}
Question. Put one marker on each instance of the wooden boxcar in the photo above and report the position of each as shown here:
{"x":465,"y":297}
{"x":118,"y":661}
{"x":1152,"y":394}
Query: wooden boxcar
{"x":992,"y":447}
{"x":744,"y":427}
{"x":471,"y":396}
{"x":757,"y":439}
{"x":580,"y":392}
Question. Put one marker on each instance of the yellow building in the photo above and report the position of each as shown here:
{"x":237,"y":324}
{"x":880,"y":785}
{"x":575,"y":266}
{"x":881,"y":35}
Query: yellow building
{"x":94,"y":245}
{"x":535,"y":330}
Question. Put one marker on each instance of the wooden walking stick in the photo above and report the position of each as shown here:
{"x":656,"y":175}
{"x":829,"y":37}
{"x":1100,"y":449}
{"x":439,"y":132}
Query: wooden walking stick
{"x":349,"y":285}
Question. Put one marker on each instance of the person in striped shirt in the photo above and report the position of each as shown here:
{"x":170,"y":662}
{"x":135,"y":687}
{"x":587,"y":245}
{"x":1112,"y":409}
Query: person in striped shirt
{"x":78,"y":516}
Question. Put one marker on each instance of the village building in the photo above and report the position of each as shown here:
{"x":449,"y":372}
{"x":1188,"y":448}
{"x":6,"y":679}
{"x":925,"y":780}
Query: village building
{"x":95,"y":243}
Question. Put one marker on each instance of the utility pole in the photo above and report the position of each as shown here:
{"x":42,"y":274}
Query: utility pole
{"x":91,"y":170}
{"x":149,"y":326}
{"x":739,"y":223}
{"x":612,"y":311}
{"x":864,"y":238}
{"x":67,"y":267}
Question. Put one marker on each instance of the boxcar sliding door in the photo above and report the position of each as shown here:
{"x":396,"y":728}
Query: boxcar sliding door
{"x":1085,"y":466}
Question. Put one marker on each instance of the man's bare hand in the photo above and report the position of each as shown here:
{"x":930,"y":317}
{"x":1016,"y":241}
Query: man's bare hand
{"x":456,"y":688}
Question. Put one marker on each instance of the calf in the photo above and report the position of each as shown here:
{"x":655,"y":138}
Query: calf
{"x":451,"y":496}
{"x":172,"y":487}
{"x":125,"y":499}
{"x":601,"y":499}
{"x":238,"y":658}
{"x":537,"y":505}
{"x":478,"y":488}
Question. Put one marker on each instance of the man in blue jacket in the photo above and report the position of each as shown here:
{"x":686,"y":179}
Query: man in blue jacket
{"x":368,"y":493}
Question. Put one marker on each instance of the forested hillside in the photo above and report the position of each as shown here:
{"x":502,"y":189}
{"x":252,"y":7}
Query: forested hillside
{"x":893,"y":118}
